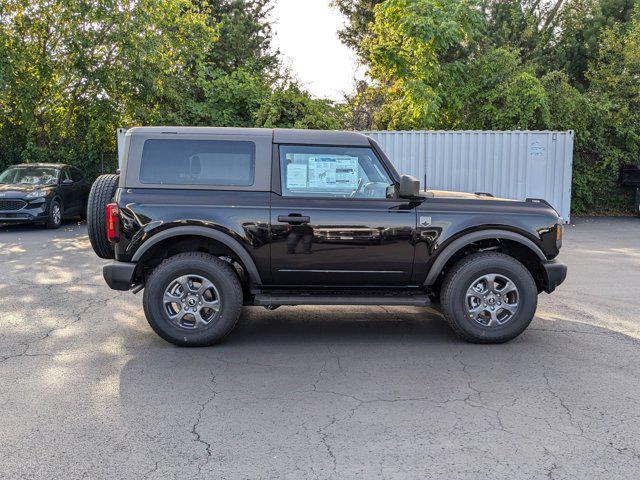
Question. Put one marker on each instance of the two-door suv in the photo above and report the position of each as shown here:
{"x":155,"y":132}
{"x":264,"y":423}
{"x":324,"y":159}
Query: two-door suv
{"x":208,"y":220}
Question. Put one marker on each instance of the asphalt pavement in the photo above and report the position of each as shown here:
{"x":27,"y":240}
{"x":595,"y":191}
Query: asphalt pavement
{"x":87,"y":390}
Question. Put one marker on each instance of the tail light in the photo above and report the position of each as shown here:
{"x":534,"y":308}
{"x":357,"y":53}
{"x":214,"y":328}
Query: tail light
{"x":113,"y":222}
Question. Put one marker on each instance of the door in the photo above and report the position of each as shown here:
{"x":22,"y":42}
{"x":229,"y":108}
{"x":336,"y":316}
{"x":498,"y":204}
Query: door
{"x":68,"y":192}
{"x":81,"y":188}
{"x":336,"y":219}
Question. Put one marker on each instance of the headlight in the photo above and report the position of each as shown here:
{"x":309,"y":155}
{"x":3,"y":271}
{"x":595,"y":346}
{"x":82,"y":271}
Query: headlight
{"x":36,"y":194}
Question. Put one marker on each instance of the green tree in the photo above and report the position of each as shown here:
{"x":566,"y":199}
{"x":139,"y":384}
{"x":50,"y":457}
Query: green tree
{"x":244,"y":34}
{"x":71,"y":71}
{"x":291,"y":107}
{"x":614,"y":93}
{"x":416,"y":48}
{"x":359,"y":14}
{"x":499,"y":93}
{"x":578,"y":36}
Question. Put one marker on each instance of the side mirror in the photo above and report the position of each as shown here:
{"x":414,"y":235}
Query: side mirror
{"x":409,"y":187}
{"x":67,"y":181}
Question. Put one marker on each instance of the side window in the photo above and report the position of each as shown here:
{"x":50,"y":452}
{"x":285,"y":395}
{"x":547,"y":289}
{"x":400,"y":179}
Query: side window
{"x":64,"y":175}
{"x":76,"y":175}
{"x":197,"y":162}
{"x":333,"y":172}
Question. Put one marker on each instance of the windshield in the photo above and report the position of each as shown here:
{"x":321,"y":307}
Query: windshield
{"x":30,"y":176}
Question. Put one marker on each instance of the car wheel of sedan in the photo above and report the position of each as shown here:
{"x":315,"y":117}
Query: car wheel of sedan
{"x":489,"y":298}
{"x":193,"y":299}
{"x":55,"y":215}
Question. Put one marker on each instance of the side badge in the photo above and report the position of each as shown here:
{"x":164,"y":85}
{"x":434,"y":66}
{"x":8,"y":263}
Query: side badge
{"x":425,"y":221}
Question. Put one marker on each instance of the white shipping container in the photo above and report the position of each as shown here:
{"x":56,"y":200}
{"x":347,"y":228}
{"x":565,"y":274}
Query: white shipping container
{"x":509,"y":164}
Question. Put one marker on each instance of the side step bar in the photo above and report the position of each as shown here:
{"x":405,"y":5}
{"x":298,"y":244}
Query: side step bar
{"x":266,"y":300}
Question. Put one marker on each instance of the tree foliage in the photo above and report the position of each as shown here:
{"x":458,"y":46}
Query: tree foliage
{"x":71,"y":71}
{"x":359,"y":14}
{"x":510,"y":64}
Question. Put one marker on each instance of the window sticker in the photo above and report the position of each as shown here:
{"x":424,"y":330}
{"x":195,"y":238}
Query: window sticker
{"x":333,"y":172}
{"x":297,"y":175}
{"x":347,"y":172}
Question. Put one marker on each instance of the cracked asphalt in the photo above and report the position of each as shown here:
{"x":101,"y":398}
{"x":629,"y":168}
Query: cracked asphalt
{"x":87,"y":390}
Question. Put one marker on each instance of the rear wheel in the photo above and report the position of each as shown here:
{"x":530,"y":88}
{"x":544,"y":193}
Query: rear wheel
{"x":193,"y":299}
{"x":102,"y":192}
{"x":489,"y":298}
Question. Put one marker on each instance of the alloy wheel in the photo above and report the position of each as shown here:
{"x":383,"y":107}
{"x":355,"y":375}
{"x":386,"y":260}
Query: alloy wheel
{"x":191,"y":302}
{"x":56,"y":214}
{"x":492,"y":300}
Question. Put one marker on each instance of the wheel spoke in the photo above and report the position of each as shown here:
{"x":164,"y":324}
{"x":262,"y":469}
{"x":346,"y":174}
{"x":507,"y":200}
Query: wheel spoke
{"x":508,"y":288}
{"x":472,"y":292}
{"x":184,"y":283}
{"x":491,"y":282}
{"x":199,"y":320}
{"x":493,"y":321}
{"x":213,"y":305}
{"x":177,"y":317}
{"x":510,"y":307}
{"x":171,"y":298}
{"x":204,"y":286}
{"x":474,"y":312}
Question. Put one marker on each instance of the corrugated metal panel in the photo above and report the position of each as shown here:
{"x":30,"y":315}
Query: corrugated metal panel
{"x":510,"y":164}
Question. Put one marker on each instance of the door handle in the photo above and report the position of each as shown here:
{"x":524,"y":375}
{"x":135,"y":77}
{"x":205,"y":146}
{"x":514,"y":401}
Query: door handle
{"x":293,"y":218}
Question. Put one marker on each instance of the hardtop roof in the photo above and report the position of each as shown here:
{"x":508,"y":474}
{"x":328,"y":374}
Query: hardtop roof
{"x":279,"y":135}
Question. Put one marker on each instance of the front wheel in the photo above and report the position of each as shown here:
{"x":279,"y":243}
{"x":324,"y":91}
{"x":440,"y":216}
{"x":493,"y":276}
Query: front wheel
{"x":55,"y":215}
{"x":489,"y":298}
{"x":193,"y":299}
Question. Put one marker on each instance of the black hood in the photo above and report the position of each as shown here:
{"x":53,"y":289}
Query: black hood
{"x":464,"y":195}
{"x":9,"y":190}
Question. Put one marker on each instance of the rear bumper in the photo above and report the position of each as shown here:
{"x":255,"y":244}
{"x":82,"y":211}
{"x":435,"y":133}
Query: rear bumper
{"x":554,"y":274}
{"x":119,"y":275}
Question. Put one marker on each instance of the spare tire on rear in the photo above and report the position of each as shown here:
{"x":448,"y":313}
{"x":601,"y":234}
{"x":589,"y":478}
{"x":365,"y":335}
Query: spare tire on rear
{"x":102,"y":192}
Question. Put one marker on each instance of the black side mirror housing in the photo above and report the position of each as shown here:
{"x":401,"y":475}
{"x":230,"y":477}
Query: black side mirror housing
{"x":409,"y":187}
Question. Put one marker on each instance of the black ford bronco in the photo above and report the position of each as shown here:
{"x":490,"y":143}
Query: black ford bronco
{"x":208,"y":220}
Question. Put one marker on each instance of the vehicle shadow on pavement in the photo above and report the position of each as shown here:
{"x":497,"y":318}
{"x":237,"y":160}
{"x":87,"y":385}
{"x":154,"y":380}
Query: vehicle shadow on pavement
{"x":353,"y":390}
{"x":341,"y":324}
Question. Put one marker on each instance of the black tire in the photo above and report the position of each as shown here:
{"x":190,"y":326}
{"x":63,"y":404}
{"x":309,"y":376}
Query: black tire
{"x":102,"y":192}
{"x":54,"y":220}
{"x":227,"y":286}
{"x":453,"y":297}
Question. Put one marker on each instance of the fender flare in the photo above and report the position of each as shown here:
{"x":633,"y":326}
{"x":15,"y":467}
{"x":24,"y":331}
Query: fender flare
{"x":221,"y":237}
{"x":464,"y":240}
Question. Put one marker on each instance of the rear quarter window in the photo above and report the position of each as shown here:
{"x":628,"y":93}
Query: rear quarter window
{"x":197,"y":162}
{"x":76,"y":175}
